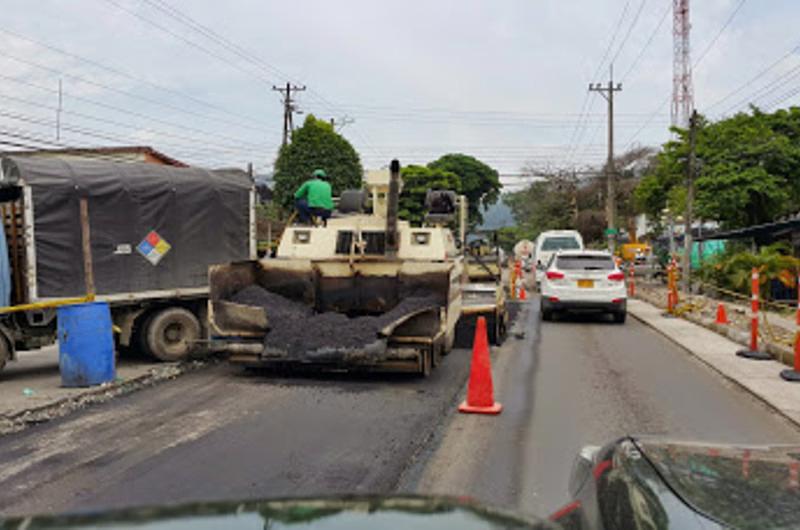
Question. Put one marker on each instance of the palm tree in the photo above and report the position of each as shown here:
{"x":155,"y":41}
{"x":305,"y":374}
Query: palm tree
{"x":772,"y":262}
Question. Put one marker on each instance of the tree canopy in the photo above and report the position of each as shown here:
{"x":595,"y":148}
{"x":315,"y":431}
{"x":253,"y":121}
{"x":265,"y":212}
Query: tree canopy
{"x":749,"y":170}
{"x":478,"y":182}
{"x":417,"y":180}
{"x":315,"y":145}
{"x":563,"y":199}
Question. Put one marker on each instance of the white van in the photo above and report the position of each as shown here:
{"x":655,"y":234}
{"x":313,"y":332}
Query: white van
{"x":550,"y":242}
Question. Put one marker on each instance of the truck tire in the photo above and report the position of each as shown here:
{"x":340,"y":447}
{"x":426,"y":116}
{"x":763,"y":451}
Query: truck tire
{"x":426,"y":363}
{"x":5,"y":352}
{"x":170,"y":334}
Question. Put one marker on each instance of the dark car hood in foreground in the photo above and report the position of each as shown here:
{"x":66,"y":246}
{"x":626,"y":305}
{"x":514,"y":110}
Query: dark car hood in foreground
{"x":741,"y":487}
{"x":320,"y":514}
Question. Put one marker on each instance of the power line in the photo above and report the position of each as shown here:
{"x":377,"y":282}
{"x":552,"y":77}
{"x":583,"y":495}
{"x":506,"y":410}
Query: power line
{"x":630,"y":29}
{"x":101,"y":135}
{"x":646,"y":46}
{"x":767,"y":89}
{"x":126,"y":75}
{"x":237,"y":147}
{"x":180,"y":37}
{"x":587,"y":100}
{"x":129,"y":112}
{"x":237,"y":50}
{"x":647,"y":123}
{"x":124,"y":92}
{"x":719,"y":33}
{"x":757,"y":77}
{"x":708,"y":48}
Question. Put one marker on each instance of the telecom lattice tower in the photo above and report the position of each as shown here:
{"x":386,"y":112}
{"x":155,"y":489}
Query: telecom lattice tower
{"x":682,"y":91}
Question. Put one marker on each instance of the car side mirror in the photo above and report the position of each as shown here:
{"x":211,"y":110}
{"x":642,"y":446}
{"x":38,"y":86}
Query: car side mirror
{"x":582,"y":468}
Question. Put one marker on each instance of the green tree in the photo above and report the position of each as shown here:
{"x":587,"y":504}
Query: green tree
{"x":417,"y":180}
{"x":479,"y":182}
{"x":749,"y":170}
{"x":315,"y":145}
{"x":544,"y":205}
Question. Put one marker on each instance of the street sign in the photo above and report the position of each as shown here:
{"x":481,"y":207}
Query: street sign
{"x":611,"y":231}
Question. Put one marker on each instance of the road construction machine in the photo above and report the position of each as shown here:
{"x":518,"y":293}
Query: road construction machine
{"x":362,"y":290}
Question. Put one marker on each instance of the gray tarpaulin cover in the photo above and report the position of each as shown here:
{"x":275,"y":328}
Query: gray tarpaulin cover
{"x":153,"y":227}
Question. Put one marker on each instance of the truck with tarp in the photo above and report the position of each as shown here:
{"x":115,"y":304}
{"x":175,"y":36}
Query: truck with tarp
{"x":151,"y":233}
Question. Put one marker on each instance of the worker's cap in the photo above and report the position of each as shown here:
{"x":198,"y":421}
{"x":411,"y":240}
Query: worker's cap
{"x":319,"y":173}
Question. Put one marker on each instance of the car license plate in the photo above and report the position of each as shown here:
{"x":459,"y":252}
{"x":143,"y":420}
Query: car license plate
{"x":586,"y":284}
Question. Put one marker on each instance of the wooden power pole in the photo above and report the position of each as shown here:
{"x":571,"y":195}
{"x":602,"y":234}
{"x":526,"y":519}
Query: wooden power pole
{"x":288,"y":108}
{"x":611,"y":188}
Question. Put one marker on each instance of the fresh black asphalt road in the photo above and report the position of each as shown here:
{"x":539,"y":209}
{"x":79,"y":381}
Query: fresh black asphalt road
{"x":222,"y":433}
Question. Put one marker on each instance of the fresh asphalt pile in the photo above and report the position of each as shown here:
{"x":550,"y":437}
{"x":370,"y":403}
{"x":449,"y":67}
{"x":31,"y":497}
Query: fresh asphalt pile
{"x":295,"y":327}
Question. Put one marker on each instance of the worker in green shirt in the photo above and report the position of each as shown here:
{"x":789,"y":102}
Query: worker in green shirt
{"x":314,"y":198}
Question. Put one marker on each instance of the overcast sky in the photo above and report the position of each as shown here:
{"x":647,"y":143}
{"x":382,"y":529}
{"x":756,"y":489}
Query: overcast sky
{"x":504,"y":80}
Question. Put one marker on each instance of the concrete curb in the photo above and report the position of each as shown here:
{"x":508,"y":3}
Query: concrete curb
{"x":780,"y":353}
{"x":11,"y":423}
{"x":765,"y":386}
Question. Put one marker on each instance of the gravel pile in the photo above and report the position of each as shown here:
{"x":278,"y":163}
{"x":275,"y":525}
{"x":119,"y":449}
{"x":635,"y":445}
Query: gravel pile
{"x":296,"y":329}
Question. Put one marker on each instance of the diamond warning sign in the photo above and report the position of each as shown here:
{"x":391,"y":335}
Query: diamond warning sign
{"x":153,"y":247}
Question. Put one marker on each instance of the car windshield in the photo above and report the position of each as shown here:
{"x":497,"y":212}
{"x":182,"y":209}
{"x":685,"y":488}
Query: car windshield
{"x":585,"y":262}
{"x":270,"y":251}
{"x":561,"y":243}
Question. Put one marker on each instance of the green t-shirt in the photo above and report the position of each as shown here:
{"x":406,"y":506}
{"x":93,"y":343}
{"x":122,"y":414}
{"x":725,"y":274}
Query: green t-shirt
{"x":317,"y":192}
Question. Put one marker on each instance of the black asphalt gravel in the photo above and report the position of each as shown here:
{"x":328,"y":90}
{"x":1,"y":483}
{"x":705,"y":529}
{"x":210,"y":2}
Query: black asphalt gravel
{"x":295,"y":328}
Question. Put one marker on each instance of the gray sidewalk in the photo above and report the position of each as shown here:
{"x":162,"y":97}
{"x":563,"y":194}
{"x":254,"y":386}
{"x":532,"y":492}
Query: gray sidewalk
{"x":761,"y":378}
{"x":31,"y":391}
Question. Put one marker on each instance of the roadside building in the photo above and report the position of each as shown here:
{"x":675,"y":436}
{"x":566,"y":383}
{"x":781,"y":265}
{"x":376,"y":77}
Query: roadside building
{"x":784,"y":229}
{"x":139,"y":153}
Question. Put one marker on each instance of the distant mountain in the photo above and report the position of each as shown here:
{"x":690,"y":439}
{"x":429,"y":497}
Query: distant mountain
{"x":497,"y":216}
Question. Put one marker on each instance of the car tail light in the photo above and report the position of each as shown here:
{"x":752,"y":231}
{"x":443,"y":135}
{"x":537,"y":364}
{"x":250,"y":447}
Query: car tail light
{"x":617,"y":300}
{"x":553,"y":299}
{"x":616,"y":276}
{"x":554,"y":275}
{"x":601,"y":468}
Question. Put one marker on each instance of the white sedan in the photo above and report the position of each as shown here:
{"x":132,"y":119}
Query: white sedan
{"x":585,"y":280}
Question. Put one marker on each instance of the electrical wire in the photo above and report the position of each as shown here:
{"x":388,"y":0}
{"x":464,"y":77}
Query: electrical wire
{"x":630,"y":30}
{"x":127,"y":75}
{"x":588,"y":100}
{"x":646,"y":46}
{"x":240,"y":52}
{"x":107,"y":106}
{"x":122,"y":92}
{"x":237,"y":147}
{"x":719,"y":34}
{"x":759,"y":76}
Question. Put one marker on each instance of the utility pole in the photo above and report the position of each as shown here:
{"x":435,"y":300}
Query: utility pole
{"x":689,"y":214}
{"x":575,"y":213}
{"x":611,"y":189}
{"x":288,"y":108}
{"x":58,"y":111}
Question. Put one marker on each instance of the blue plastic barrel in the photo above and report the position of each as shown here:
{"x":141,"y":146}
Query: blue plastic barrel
{"x":85,"y":344}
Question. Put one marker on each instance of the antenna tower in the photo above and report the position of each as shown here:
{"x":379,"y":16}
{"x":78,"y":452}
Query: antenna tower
{"x":682,"y":91}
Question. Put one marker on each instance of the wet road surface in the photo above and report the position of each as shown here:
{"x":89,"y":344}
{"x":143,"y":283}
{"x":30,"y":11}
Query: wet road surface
{"x":222,"y":433}
{"x":584,"y":380}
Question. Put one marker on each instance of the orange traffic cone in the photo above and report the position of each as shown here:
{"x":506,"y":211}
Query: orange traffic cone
{"x":480,"y":391}
{"x":722,"y":315}
{"x":522,"y":294}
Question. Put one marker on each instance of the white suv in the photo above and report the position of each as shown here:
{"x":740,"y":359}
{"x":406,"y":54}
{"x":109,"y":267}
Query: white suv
{"x":550,"y":242}
{"x":587,"y":280}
